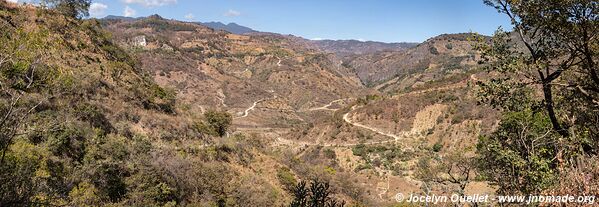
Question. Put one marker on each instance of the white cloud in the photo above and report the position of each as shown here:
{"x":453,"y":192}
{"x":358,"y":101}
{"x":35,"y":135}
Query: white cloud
{"x":317,"y":38}
{"x":97,"y":9}
{"x":22,"y":1}
{"x":150,"y":3}
{"x":189,"y":16}
{"x":129,"y":12}
{"x":232,"y":13}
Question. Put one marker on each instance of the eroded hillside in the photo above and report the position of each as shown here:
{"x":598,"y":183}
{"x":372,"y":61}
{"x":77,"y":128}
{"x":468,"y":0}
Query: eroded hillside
{"x":216,"y":69}
{"x":310,"y":107}
{"x":125,"y":119}
{"x":85,"y":123}
{"x":433,"y":59}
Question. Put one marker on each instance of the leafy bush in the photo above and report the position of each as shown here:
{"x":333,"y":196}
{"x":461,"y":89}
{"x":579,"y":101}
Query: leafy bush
{"x":437,"y":147}
{"x":433,"y":50}
{"x":329,"y":153}
{"x":504,"y":157}
{"x":359,"y":150}
{"x":68,"y":141}
{"x":93,"y":115}
{"x":166,"y":98}
{"x":286,"y":178}
{"x":109,"y":179}
{"x":215,"y":123}
{"x":155,"y":97}
{"x":21,"y":174}
{"x":389,"y":153}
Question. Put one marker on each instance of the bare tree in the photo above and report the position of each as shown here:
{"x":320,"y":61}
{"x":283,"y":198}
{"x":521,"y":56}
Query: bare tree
{"x":20,"y":66}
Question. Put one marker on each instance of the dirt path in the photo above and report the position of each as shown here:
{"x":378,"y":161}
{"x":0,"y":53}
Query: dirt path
{"x":395,"y":137}
{"x":246,"y":112}
{"x":404,"y":134}
{"x":347,"y":119}
{"x":385,"y":189}
{"x":221,"y":96}
{"x":326,"y":106}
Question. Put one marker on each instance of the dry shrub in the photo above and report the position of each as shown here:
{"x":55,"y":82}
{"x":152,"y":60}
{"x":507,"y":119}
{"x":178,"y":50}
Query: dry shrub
{"x":579,"y":180}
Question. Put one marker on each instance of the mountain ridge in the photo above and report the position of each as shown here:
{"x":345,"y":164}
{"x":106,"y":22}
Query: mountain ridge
{"x":231,"y":27}
{"x":341,"y":47}
{"x":166,"y":112}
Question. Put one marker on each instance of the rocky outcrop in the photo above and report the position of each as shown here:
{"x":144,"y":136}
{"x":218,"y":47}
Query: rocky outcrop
{"x":139,"y":41}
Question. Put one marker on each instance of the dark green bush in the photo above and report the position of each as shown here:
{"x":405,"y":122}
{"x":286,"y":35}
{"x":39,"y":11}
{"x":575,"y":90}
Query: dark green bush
{"x":315,"y":195}
{"x":215,"y":123}
{"x":437,"y":147}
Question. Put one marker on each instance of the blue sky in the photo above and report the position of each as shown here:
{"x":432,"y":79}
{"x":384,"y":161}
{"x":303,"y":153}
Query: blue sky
{"x":377,"y":20}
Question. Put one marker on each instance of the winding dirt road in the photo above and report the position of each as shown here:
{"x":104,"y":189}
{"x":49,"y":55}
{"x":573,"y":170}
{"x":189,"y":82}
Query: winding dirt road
{"x":395,"y":137}
{"x":326,"y":106}
{"x":247,"y":111}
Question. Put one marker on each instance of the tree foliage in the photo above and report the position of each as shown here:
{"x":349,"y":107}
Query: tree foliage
{"x":216,"y":123}
{"x":519,"y":156}
{"x":553,"y":46}
{"x":545,"y":82}
{"x":71,"y":8}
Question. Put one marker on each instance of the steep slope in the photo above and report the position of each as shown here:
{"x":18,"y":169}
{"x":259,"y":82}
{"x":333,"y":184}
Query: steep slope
{"x":120,"y":119}
{"x":84,"y":124}
{"x":440,"y":55}
{"x":310,"y":105}
{"x":211,"y":68}
{"x":355,"y":47}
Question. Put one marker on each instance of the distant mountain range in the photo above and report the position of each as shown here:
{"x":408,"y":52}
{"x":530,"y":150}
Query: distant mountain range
{"x":339,"y":47}
{"x":231,"y":27}
{"x":114,"y":17}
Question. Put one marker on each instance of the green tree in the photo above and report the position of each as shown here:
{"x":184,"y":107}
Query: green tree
{"x":218,"y":122}
{"x":71,"y":8}
{"x":286,"y":178}
{"x":555,"y":49}
{"x":545,"y":83}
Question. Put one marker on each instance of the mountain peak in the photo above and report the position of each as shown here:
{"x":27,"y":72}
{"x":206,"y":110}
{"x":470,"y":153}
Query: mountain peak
{"x":230,"y":27}
{"x":155,"y":16}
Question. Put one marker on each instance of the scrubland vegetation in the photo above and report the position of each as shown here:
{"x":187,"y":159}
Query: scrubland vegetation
{"x":82,"y":123}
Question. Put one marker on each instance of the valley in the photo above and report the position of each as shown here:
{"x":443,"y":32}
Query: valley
{"x":153,"y":111}
{"x":304,"y":101}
